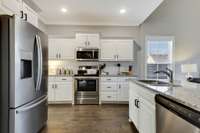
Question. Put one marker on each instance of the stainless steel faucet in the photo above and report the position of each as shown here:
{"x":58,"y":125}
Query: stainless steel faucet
{"x":169,"y":73}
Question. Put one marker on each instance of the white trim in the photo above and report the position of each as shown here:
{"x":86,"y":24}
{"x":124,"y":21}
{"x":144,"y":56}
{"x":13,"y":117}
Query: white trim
{"x":161,"y":38}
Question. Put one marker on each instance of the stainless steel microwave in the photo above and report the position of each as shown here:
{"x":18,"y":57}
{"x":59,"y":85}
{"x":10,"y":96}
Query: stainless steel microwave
{"x":87,"y":54}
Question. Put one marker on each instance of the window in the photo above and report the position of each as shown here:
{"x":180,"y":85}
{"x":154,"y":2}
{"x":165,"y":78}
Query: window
{"x":159,"y":56}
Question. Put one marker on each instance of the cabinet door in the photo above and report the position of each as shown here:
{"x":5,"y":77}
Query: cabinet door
{"x":133,"y":110}
{"x":51,"y":92}
{"x":125,"y":50}
{"x":32,"y":16}
{"x":63,"y":92}
{"x":53,"y":49}
{"x":147,"y":123}
{"x":12,"y":5}
{"x":93,"y":40}
{"x":123,"y":94}
{"x":108,"y":50}
{"x":81,"y":40}
{"x":67,"y":48}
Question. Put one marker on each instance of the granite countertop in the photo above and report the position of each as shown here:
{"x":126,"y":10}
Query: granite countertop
{"x":189,"y":96}
{"x":60,"y":75}
{"x":118,"y":76}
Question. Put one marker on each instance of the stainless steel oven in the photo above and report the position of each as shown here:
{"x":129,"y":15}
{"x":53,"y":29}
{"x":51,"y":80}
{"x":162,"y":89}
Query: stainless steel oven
{"x":87,"y":54}
{"x":86,"y":90}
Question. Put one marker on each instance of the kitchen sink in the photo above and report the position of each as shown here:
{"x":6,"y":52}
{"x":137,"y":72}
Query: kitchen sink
{"x":157,"y":83}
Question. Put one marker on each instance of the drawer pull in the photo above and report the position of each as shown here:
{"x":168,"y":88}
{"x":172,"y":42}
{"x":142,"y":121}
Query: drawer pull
{"x":109,"y":96}
{"x":64,"y":79}
{"x":108,"y":79}
{"x":108,"y":87}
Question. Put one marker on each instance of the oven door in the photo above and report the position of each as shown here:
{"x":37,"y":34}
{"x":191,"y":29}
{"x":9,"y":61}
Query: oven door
{"x":87,"y":90}
{"x":88,"y":85}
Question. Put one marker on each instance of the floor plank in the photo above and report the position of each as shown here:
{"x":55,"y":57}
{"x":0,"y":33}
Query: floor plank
{"x":88,"y":119}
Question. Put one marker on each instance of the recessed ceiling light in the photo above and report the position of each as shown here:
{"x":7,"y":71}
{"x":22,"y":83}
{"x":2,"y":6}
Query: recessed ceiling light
{"x":64,"y":10}
{"x":122,"y":11}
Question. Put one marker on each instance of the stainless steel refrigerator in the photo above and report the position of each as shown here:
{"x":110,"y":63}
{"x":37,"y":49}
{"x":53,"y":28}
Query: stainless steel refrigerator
{"x":23,"y":76}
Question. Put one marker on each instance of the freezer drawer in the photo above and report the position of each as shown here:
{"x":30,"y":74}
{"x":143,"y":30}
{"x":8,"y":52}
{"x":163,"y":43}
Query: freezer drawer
{"x":29,"y":118}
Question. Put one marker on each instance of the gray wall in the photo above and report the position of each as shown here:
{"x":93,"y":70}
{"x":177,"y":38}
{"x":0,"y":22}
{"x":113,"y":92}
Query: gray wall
{"x":179,"y":18}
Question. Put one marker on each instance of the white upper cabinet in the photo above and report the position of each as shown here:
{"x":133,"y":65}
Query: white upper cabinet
{"x":12,"y":6}
{"x":117,"y":50}
{"x":125,"y":50}
{"x":21,"y":9}
{"x":30,"y":15}
{"x":62,"y":49}
{"x":108,"y":50}
{"x":88,"y":40}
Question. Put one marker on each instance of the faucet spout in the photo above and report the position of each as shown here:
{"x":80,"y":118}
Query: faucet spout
{"x":169,"y":73}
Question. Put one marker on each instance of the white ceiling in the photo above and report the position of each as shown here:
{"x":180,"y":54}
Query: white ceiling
{"x":96,"y":12}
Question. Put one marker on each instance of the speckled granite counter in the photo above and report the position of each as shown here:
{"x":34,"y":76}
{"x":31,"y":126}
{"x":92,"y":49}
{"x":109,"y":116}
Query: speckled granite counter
{"x":118,"y":76}
{"x":185,"y":95}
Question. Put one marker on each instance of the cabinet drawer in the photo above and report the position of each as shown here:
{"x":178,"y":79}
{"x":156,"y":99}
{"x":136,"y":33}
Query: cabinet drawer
{"x":109,"y":79}
{"x":108,"y":87}
{"x":123,"y":79}
{"x":108,"y":96}
{"x":61,"y":79}
{"x":51,"y":79}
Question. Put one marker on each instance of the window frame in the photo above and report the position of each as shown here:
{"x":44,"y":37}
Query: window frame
{"x":159,"y":38}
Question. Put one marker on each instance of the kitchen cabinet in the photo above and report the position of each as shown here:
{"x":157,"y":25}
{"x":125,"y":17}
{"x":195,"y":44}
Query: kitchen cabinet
{"x":29,"y":14}
{"x":60,"y":89}
{"x":108,"y":51}
{"x":88,"y":40}
{"x":51,"y":92}
{"x":146,"y":117}
{"x":125,"y":50}
{"x":123,"y":89}
{"x":21,"y":9}
{"x":117,"y":50}
{"x":114,"y":89}
{"x":142,"y":108}
{"x":61,"y":49}
{"x":11,"y":6}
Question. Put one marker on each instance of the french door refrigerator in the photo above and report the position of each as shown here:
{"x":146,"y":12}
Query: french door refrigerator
{"x":23,"y":76}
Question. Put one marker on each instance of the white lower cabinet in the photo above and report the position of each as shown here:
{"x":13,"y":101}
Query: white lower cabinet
{"x":114,"y":89}
{"x":146,"y":117}
{"x":142,"y":108}
{"x":60,"y":90}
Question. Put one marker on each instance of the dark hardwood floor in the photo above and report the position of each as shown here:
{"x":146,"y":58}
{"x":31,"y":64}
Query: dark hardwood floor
{"x":88,"y":119}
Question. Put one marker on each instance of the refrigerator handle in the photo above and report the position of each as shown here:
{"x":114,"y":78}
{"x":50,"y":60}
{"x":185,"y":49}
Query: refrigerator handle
{"x":38,"y":64}
{"x":41,"y":61}
{"x":31,"y":106}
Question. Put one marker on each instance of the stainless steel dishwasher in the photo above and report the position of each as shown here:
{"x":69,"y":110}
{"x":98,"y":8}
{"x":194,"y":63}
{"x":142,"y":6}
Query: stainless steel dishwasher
{"x":173,"y":117}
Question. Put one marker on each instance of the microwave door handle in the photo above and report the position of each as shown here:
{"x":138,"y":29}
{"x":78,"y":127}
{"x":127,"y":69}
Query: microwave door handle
{"x":41,"y":61}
